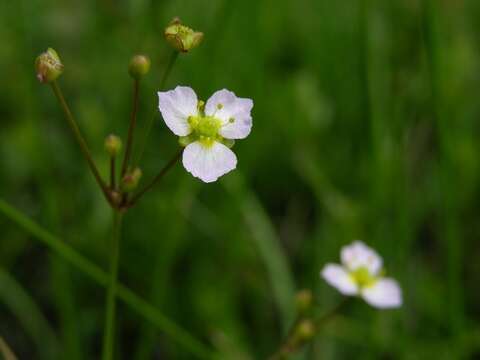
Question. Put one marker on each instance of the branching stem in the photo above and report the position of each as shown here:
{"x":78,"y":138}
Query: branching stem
{"x":81,"y":141}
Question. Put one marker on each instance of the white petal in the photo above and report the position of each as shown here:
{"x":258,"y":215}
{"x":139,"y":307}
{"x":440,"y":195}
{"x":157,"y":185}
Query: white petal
{"x":339,"y":278}
{"x":385,"y":293}
{"x":234,"y":112}
{"x":359,"y":255}
{"x":176,"y":106}
{"x":208,"y":163}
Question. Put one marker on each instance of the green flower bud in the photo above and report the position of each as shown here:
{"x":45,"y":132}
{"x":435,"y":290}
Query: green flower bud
{"x":116,"y":197}
{"x":305,"y":330}
{"x":304,"y":300}
{"x":48,"y":66}
{"x":181,"y":37}
{"x":131,"y":179}
{"x":139,"y":66}
{"x":113,"y":145}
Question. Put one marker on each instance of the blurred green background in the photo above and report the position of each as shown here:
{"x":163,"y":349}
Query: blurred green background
{"x":366,"y":125}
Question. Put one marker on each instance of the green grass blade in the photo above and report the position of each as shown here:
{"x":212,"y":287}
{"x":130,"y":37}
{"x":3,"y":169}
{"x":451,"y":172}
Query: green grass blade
{"x":268,"y":244}
{"x":5,"y":350}
{"x":136,"y":303}
{"x":30,"y":316}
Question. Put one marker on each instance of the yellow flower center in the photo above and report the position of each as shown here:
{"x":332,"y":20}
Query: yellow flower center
{"x":205,"y":129}
{"x":362,"y":277}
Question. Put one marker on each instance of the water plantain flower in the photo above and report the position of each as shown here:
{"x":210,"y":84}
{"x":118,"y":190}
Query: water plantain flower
{"x":207,"y":131}
{"x":361,"y":275}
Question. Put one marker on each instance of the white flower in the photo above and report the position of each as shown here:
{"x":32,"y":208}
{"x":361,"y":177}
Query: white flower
{"x":361,"y":274}
{"x":206,"y":130}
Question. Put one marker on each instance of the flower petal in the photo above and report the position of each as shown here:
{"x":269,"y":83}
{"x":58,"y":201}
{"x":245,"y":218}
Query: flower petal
{"x":176,"y":106}
{"x":339,"y":278}
{"x":208,"y":163}
{"x":359,"y":255}
{"x":234,"y":112}
{"x":385,"y":293}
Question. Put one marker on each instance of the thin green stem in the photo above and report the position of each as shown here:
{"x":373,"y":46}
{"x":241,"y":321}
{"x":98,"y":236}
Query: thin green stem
{"x":81,"y":141}
{"x":131,"y":128}
{"x":148,"y":126}
{"x":294,"y":341}
{"x":168,"y":69}
{"x":109,"y":333}
{"x":322,"y":320}
{"x":136,"y":303}
{"x":112,"y":173}
{"x":156,"y":179}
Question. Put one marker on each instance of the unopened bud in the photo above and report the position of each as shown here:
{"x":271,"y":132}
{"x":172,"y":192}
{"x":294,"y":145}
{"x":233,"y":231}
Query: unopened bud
{"x":48,"y":66}
{"x":131,"y":179}
{"x":304,"y":300}
{"x":113,"y":145}
{"x":116,"y":197}
{"x":181,"y":37}
{"x":305,"y":330}
{"x":139,"y":66}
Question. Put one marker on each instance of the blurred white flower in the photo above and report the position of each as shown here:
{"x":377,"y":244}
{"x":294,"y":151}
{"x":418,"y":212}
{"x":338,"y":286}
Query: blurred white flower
{"x":361,"y":274}
{"x":206,"y":130}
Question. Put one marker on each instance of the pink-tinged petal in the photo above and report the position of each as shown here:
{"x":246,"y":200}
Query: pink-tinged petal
{"x":384,"y":294}
{"x":339,"y":278}
{"x":208,"y":163}
{"x":176,"y":107}
{"x":357,"y":255}
{"x":234,"y":112}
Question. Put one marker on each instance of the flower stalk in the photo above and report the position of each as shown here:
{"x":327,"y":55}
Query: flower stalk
{"x":113,"y":174}
{"x":81,"y":141}
{"x":155,"y":180}
{"x":109,"y":331}
{"x":151,"y":119}
{"x":113,"y":145}
{"x":131,"y":128}
{"x":304,"y":329}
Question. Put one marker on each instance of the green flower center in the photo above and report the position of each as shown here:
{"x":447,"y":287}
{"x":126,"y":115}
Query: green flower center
{"x":205,"y":129}
{"x":362,"y":277}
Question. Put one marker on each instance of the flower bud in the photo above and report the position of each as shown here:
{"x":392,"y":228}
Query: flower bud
{"x":304,"y":300}
{"x":181,"y":37}
{"x":139,"y":66}
{"x":48,"y":66}
{"x":113,"y":145}
{"x":131,"y":179}
{"x":305,"y":330}
{"x":116,"y":197}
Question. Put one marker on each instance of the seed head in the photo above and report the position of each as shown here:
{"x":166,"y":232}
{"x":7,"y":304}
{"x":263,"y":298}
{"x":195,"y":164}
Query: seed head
{"x":48,"y":66}
{"x":181,"y":37}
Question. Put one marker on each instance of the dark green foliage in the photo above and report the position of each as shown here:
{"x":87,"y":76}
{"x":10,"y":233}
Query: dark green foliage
{"x":366,"y":125}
